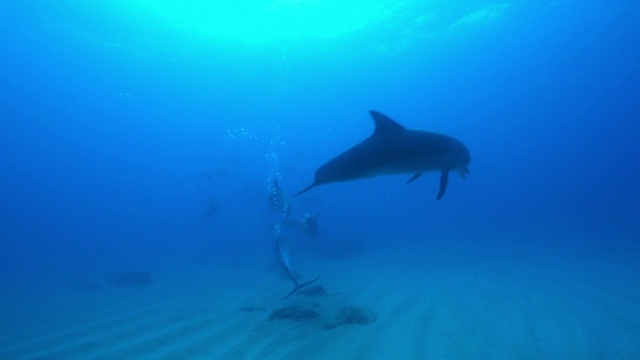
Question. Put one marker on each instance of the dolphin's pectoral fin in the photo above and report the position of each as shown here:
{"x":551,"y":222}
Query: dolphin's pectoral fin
{"x":444,"y":180}
{"x":299,"y":286}
{"x":415,"y":176}
{"x":306,"y":189}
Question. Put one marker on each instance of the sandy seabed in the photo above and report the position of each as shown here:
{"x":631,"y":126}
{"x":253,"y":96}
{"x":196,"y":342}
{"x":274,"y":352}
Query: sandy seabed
{"x":422,"y":310}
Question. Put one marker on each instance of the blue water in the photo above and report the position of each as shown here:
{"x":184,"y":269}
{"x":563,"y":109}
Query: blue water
{"x":117,"y":126}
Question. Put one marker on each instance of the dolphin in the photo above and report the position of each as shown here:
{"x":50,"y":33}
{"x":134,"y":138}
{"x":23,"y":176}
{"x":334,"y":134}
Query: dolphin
{"x":309,"y":225}
{"x":394,"y":149}
{"x":277,"y":201}
{"x":284,"y":259}
{"x":212,"y":208}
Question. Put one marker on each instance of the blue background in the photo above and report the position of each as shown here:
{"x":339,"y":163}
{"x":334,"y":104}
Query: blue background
{"x":110,"y":118}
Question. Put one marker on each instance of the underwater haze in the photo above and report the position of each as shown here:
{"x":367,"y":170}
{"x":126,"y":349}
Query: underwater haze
{"x":151,"y":151}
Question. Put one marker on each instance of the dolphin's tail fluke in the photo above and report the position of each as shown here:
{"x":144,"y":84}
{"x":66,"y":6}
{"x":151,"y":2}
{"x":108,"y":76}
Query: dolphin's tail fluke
{"x":306,"y":189}
{"x":298,"y":287}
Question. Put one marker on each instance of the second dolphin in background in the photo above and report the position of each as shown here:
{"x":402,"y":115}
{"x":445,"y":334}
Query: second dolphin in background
{"x":283,"y":256}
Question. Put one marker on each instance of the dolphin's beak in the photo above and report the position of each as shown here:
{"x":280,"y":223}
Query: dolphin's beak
{"x":306,"y":189}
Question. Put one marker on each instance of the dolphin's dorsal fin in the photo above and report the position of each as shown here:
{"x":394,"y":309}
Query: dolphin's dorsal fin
{"x":384,"y":124}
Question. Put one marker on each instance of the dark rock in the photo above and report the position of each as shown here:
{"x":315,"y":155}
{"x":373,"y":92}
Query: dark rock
{"x":295,"y":313}
{"x":353,"y":315}
{"x":350,"y":315}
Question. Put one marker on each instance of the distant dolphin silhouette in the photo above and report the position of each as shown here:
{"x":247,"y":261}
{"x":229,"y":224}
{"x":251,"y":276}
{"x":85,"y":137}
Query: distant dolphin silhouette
{"x":277,"y":201}
{"x":394,"y":149}
{"x":284,"y":259}
{"x":309,"y":225}
{"x":212,"y":208}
